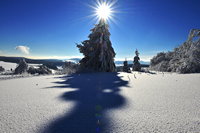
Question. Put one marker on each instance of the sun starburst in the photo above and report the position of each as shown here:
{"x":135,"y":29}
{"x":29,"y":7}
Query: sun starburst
{"x":104,"y":9}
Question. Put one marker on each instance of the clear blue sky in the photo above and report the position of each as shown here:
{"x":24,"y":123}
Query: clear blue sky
{"x":52,"y":27}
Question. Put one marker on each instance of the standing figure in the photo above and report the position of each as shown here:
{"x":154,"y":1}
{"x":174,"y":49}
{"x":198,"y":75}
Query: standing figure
{"x":136,"y":63}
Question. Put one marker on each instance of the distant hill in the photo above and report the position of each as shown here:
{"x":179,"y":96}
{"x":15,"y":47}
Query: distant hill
{"x":32,"y":61}
{"x":76,"y":60}
{"x":58,"y":62}
{"x":120,"y":63}
{"x":117,"y":63}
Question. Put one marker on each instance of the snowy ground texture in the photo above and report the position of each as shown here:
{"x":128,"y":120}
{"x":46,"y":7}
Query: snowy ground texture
{"x":101,"y":102}
{"x":8,"y":65}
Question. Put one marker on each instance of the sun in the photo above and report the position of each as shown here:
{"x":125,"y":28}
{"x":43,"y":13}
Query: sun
{"x":104,"y":9}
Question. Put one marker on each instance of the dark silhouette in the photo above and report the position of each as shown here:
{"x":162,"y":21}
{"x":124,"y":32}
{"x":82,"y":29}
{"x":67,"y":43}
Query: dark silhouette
{"x":94,"y":94}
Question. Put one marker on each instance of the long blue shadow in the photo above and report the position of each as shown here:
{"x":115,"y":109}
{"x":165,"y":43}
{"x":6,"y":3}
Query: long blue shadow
{"x":94,"y":94}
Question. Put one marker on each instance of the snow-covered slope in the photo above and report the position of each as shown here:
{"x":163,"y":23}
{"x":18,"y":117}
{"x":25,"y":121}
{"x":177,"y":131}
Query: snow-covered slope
{"x":101,"y":102}
{"x":8,"y":65}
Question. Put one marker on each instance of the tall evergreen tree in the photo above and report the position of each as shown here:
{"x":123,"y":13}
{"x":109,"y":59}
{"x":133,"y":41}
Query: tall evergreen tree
{"x":98,"y":51}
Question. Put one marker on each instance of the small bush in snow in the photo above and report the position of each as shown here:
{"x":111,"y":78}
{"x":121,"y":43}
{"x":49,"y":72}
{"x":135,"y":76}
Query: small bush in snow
{"x":51,"y":66}
{"x":70,"y":67}
{"x":1,"y":69}
{"x":41,"y":70}
{"x":22,"y":67}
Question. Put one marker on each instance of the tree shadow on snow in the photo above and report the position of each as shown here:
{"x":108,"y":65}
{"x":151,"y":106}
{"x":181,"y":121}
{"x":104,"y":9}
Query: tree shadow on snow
{"x":94,"y":94}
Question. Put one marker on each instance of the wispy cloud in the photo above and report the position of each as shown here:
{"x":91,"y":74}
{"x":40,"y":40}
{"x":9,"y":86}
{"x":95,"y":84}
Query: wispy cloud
{"x":23,"y":49}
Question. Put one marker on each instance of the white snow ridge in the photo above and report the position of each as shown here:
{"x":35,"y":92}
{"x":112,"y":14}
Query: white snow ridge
{"x":101,"y":103}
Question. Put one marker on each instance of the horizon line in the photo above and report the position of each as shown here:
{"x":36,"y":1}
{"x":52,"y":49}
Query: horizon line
{"x":143,"y":58}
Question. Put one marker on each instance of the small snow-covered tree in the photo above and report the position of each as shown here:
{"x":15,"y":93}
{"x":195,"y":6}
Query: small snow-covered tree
{"x":136,"y":63}
{"x":69,"y":68}
{"x":22,"y":67}
{"x":1,"y":69}
{"x":126,"y":67}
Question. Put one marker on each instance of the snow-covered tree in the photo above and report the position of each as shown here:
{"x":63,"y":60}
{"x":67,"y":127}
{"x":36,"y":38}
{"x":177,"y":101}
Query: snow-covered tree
{"x":136,"y":63}
{"x":126,"y":67}
{"x":98,"y":51}
{"x":1,"y":69}
{"x":183,"y":59}
{"x":22,"y":67}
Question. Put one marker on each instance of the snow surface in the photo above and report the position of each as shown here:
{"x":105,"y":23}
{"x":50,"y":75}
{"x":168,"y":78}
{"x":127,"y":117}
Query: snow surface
{"x":101,"y":102}
{"x":8,"y":65}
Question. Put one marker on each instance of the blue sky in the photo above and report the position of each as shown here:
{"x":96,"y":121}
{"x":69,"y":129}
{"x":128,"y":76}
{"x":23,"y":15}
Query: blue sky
{"x":50,"y":28}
